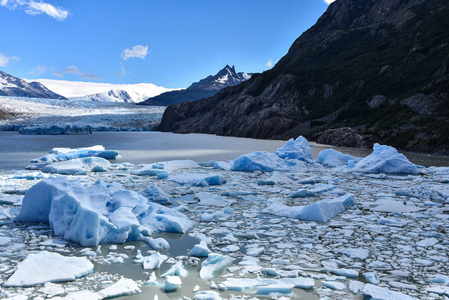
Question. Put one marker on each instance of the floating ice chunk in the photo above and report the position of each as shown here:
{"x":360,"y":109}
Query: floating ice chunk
{"x":153,"y":261}
{"x":79,"y":166}
{"x":200,"y":250}
{"x":61,"y":154}
{"x":390,"y":205}
{"x":443,"y":279}
{"x":355,"y":253}
{"x":437,"y":193}
{"x":296,"y":149}
{"x":203,"y":180}
{"x":167,"y":166}
{"x":379,"y":293}
{"x":220,"y":215}
{"x":372,"y":277}
{"x":207,"y":295}
{"x":387,"y":160}
{"x":209,"y":199}
{"x":334,"y":285}
{"x":429,"y":242}
{"x":392,"y":222}
{"x":82,"y":295}
{"x":51,"y":289}
{"x":345,"y":272}
{"x":241,"y":284}
{"x":280,"y":288}
{"x":177,"y":269}
{"x":230,"y":248}
{"x":321,"y":211}
{"x":152,"y":280}
{"x":123,"y":287}
{"x":214,"y":265}
{"x":318,"y":189}
{"x":332,"y":158}
{"x":355,"y":287}
{"x":172,"y":283}
{"x":156,"y":195}
{"x":221,"y":165}
{"x":266,"y":162}
{"x":48,"y":267}
{"x":99,"y":214}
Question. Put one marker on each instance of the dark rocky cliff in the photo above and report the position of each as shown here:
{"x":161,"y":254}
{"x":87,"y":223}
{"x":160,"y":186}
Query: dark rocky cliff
{"x":376,"y":66}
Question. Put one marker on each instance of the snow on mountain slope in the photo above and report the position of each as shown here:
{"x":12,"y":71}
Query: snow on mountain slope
{"x":104,"y":91}
{"x":17,"y":87}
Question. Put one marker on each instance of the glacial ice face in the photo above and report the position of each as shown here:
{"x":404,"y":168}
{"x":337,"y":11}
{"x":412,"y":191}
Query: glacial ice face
{"x":98,"y":214}
{"x":387,"y":160}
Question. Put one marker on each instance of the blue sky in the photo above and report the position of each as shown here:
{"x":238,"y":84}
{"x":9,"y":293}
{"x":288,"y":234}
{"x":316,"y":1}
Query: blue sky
{"x":170,"y":43}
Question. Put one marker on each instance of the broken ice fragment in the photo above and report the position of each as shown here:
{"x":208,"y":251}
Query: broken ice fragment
{"x":214,"y":265}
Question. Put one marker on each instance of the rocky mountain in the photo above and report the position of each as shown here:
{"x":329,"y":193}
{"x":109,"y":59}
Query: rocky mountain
{"x":379,"y":67}
{"x":206,"y":87}
{"x":16,"y":87}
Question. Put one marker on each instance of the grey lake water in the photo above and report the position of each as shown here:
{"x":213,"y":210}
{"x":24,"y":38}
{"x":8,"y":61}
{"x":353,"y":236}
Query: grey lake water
{"x":148,"y":147}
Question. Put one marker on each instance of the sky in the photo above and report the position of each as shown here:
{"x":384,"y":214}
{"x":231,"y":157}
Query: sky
{"x":170,"y":43}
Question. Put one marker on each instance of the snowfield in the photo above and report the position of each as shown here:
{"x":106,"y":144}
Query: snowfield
{"x":109,"y":116}
{"x":291,"y":228}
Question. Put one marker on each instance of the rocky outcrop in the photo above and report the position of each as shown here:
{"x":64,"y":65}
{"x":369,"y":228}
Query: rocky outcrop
{"x":345,"y":137}
{"x":378,"y":66}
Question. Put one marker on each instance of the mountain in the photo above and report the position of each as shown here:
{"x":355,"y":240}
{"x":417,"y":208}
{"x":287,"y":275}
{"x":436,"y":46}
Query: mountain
{"x":379,"y":68}
{"x":206,"y":87}
{"x":16,"y":87}
{"x":95,"y":91}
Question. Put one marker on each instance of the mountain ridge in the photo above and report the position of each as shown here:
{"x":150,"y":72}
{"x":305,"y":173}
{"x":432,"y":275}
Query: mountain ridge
{"x":204,"y":88}
{"x":15,"y":87}
{"x":378,"y":67}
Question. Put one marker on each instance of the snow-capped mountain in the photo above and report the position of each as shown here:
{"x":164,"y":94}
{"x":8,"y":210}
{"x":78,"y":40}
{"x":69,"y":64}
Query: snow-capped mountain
{"x":226,"y":77}
{"x":204,"y":88}
{"x":16,"y":87}
{"x":94,"y":91}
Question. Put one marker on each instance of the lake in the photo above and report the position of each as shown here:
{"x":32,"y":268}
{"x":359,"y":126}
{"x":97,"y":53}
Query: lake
{"x":150,"y":146}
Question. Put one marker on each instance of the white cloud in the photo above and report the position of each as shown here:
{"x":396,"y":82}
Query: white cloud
{"x":122,"y":70}
{"x":4,"y":60}
{"x":138,"y":51}
{"x":34,"y":8}
{"x":76,"y":71}
{"x":38,"y":70}
{"x":269,"y":63}
{"x":329,"y":1}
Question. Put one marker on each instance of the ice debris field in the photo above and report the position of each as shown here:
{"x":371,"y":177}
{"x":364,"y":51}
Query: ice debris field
{"x":278,"y":225}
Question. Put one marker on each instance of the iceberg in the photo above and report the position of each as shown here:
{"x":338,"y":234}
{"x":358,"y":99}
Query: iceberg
{"x":79,"y":166}
{"x":296,"y":149}
{"x":387,"y":160}
{"x":379,"y":293}
{"x":332,"y":158}
{"x":60,"y":154}
{"x":98,"y":214}
{"x":320,"y":211}
{"x":267,"y":162}
{"x":46,"y":266}
{"x":203,"y":180}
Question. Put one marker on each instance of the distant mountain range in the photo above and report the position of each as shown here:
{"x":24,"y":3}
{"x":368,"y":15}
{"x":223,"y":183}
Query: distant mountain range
{"x":94,"y":91}
{"x":15,"y":87}
{"x":373,"y":68}
{"x":206,"y":87}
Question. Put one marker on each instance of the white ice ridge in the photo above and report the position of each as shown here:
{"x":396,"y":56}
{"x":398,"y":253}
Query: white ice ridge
{"x":99,"y":214}
{"x":60,"y":154}
{"x":78,"y":166}
{"x":48,"y":267}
